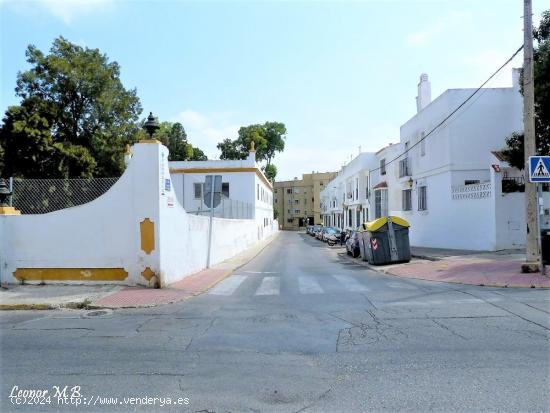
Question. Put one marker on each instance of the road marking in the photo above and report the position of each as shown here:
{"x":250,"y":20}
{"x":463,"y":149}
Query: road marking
{"x":350,"y":283}
{"x":269,"y":286}
{"x":261,"y":272}
{"x":308,"y":285}
{"x":229,"y":285}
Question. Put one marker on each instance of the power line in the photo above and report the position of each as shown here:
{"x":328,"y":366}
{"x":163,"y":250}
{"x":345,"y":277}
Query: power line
{"x":454,"y":111}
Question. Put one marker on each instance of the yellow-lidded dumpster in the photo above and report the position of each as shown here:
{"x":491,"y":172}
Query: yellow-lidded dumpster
{"x":385,"y":240}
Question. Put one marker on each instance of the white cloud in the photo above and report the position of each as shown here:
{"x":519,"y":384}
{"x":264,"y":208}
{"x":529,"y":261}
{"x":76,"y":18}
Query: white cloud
{"x":206,"y":130}
{"x":433,"y":30}
{"x":65,"y":10}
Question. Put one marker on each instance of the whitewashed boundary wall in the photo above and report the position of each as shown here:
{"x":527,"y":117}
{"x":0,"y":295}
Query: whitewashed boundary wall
{"x":135,"y":234}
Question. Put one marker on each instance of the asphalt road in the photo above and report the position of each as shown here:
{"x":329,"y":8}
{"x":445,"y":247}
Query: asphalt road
{"x":298,"y":329}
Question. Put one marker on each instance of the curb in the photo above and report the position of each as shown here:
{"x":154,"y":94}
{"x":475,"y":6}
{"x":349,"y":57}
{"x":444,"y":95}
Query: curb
{"x":81,"y":305}
{"x":386,"y":271}
{"x":226,"y":275}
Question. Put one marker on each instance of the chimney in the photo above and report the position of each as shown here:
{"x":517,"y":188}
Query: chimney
{"x":424,"y":93}
{"x":516,"y":77}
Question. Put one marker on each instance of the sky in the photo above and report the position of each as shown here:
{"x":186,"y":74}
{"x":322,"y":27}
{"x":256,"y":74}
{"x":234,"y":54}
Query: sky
{"x":340,"y":75}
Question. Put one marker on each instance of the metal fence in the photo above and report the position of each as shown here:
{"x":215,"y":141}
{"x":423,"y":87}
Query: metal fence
{"x":228,"y":208}
{"x":40,"y":196}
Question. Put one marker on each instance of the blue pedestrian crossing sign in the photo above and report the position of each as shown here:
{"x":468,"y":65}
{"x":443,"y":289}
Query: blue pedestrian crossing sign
{"x":539,"y":169}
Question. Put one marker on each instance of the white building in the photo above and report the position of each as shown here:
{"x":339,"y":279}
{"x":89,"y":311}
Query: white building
{"x":345,"y":200}
{"x":450,"y":180}
{"x":449,"y":186}
{"x":246,"y":192}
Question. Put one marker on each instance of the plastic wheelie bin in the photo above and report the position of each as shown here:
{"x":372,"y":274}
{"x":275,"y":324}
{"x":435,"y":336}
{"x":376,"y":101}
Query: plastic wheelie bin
{"x":385,"y":241}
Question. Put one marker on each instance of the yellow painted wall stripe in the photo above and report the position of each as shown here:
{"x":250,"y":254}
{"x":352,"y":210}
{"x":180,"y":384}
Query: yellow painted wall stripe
{"x":147,"y":233}
{"x":71,"y":274}
{"x":227,"y":170}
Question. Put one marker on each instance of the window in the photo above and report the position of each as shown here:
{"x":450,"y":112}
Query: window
{"x":406,"y":200}
{"x":275,"y":190}
{"x":471,"y":182}
{"x":289,"y":221}
{"x":380,"y":203}
{"x":357,"y":218}
{"x":321,"y":184}
{"x":225,"y":189}
{"x":382,"y":167}
{"x":289,"y":211}
{"x":422,"y":198}
{"x":198,"y":190}
{"x":288,"y":191}
{"x":275,"y":200}
{"x":296,"y":190}
{"x":422,"y":145}
{"x":290,"y":202}
{"x":296,"y":211}
{"x":356,"y":188}
{"x":305,"y":201}
{"x":349,"y":217}
{"x":404,"y":167}
{"x":297,"y":201}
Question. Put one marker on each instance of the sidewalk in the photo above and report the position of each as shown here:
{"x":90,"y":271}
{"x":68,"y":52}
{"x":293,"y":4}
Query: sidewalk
{"x":54,"y":296}
{"x":497,"y":269}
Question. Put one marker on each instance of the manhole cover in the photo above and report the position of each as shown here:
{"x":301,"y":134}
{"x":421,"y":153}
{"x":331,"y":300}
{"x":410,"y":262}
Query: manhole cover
{"x":97,"y":313}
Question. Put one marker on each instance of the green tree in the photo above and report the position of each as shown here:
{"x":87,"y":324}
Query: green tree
{"x":270,"y":172}
{"x":75,"y":117}
{"x":198,"y":155}
{"x":275,"y":135}
{"x":268,"y":139}
{"x":514,"y":152}
{"x":229,"y":150}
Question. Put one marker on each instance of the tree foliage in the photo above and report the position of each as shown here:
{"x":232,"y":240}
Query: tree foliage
{"x":514,"y":151}
{"x":268,"y":139}
{"x":270,"y":172}
{"x":75,"y":117}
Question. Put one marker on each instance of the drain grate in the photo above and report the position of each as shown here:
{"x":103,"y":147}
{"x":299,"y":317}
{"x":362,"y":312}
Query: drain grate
{"x":97,"y":313}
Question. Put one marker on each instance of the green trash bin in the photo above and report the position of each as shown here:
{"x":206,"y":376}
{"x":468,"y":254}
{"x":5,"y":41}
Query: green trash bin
{"x":386,"y":241}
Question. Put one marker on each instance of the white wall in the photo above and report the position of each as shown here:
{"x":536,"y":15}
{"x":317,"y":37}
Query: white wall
{"x":105,"y":233}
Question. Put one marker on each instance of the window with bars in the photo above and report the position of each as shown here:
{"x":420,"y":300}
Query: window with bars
{"x":422,"y":198}
{"x":380,"y":203}
{"x":382,"y":166}
{"x":406,"y":199}
{"x":198,"y":190}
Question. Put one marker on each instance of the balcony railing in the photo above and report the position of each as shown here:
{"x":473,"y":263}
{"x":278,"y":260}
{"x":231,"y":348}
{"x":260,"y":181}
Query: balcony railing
{"x":405,"y":168}
{"x":513,"y":184}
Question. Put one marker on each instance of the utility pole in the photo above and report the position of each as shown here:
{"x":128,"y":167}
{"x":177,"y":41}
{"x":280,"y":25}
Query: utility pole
{"x":532,"y":258}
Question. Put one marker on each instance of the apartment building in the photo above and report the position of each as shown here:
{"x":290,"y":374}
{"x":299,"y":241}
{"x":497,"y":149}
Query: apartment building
{"x":298,"y":202}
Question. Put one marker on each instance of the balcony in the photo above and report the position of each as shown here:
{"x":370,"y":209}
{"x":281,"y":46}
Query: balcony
{"x":405,"y":168}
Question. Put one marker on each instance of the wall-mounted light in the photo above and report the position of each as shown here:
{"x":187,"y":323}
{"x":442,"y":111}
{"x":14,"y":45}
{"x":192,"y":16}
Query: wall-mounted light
{"x":410,"y":182}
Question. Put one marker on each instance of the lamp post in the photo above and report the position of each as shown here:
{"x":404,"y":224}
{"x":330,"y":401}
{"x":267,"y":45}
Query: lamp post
{"x":5,"y":193}
{"x":151,"y":126}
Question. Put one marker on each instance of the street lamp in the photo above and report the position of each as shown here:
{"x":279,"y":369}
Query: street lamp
{"x":151,"y":125}
{"x":5,"y":193}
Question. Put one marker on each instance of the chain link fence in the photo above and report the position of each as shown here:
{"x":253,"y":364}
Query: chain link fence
{"x":228,"y":208}
{"x":40,"y":196}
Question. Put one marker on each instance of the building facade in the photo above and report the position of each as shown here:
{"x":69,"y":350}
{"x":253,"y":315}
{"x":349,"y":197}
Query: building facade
{"x":246,"y":192}
{"x":298,"y":202}
{"x":345,"y":200}
{"x":448,"y":180}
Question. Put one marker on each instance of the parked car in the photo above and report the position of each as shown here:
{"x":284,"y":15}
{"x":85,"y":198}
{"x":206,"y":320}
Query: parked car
{"x":352,"y":244}
{"x":320,"y":233}
{"x":331,"y":236}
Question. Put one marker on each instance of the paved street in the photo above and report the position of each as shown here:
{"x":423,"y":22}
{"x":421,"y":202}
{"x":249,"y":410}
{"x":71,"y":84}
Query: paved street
{"x":298,"y":329}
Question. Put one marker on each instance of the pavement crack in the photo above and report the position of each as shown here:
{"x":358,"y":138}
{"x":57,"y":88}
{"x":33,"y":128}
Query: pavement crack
{"x":320,"y":397}
{"x":445,"y":327}
{"x":503,"y":309}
